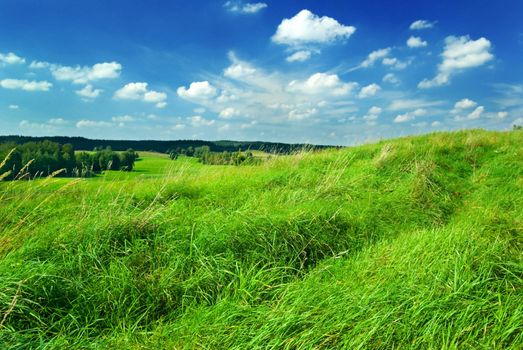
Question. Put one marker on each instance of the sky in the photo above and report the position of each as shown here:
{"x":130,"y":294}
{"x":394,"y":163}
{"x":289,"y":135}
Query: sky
{"x":324,"y":72}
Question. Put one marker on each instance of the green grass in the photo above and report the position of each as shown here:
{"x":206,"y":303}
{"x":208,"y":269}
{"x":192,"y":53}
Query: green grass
{"x":408,"y":243}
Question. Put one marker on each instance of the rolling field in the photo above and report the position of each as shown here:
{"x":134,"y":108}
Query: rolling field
{"x":408,"y":243}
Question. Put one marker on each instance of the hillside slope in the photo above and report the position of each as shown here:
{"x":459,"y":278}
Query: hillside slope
{"x":408,"y":243}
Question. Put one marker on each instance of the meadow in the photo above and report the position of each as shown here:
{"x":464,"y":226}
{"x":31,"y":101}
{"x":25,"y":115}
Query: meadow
{"x":411,"y":243}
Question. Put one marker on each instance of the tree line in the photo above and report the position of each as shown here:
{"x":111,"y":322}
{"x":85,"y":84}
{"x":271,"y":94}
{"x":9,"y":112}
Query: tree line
{"x":34,"y":159}
{"x":206,"y":156}
{"x":165,"y":146}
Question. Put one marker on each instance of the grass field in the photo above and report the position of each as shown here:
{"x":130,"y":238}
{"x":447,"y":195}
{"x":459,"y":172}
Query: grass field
{"x":408,"y":243}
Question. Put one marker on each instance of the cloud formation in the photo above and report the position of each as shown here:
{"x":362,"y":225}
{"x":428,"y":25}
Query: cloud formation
{"x":459,"y":53}
{"x":416,"y":41}
{"x":307,"y":28}
{"x":10,"y":58}
{"x":88,"y":92}
{"x":26,"y":85}
{"x":248,"y":8}
{"x":140,"y":91}
{"x":82,"y":75}
{"x":421,"y":24}
{"x":369,"y":90}
{"x":198,"y":90}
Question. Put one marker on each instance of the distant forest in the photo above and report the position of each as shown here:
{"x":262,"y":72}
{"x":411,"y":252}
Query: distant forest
{"x":37,"y":159}
{"x":81,"y":143}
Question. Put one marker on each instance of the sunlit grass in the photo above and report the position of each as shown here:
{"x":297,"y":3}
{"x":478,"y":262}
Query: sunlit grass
{"x":409,"y":243}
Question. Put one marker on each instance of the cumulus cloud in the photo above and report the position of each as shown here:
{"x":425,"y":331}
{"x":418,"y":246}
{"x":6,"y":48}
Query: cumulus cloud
{"x":421,"y":24}
{"x":229,"y":113}
{"x":459,"y":54}
{"x":322,"y":83}
{"x":198,"y":121}
{"x":39,"y":65}
{"x":88,"y":92}
{"x":140,"y":91}
{"x":374,"y":56}
{"x":85,"y":74}
{"x":391,"y":78}
{"x":300,"y":114}
{"x":57,"y":121}
{"x":369,"y":90}
{"x":416,"y":41}
{"x":238,"y":70}
{"x":299,"y":56}
{"x":410,"y":116}
{"x":372,"y":115}
{"x":247,"y":8}
{"x":14,"y":107}
{"x":85,"y":123}
{"x":10,"y":58}
{"x":26,"y":85}
{"x":197,"y":91}
{"x":475,"y":114}
{"x":308,"y":28}
{"x":464,"y":104}
{"x":123,"y":119}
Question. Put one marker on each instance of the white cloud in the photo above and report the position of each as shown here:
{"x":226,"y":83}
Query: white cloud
{"x":238,"y":70}
{"x":198,"y":121}
{"x":502,"y":115}
{"x":14,"y":107}
{"x":369,"y":90}
{"x":459,"y":53}
{"x":139,"y":91}
{"x":297,"y":114}
{"x":88,"y":92}
{"x":308,"y":28}
{"x":197,"y":90}
{"x":372,"y":114}
{"x":11,"y":58}
{"x":123,"y":119}
{"x":57,"y":121}
{"x":407,"y":117}
{"x":229,"y":113}
{"x":475,"y":114}
{"x":374,"y":110}
{"x":39,"y":65}
{"x":322,"y":83}
{"x":400,"y":105}
{"x":394,"y":63}
{"x":391,"y":78}
{"x":416,"y":41}
{"x":435,"y":123}
{"x":421,"y":24}
{"x":85,"y":74}
{"x":248,"y":8}
{"x":299,"y":56}
{"x":374,"y":56}
{"x":178,"y":127}
{"x":464,"y":104}
{"x":16,"y":84}
{"x":84,"y":123}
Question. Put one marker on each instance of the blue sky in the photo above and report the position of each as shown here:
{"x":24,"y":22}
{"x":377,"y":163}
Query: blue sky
{"x":331,"y":72}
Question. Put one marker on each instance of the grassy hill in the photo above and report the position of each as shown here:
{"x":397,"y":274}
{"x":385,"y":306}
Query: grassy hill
{"x":407,"y":243}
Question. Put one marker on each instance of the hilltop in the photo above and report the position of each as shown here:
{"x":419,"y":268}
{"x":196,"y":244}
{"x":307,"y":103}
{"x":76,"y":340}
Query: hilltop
{"x":407,"y":243}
